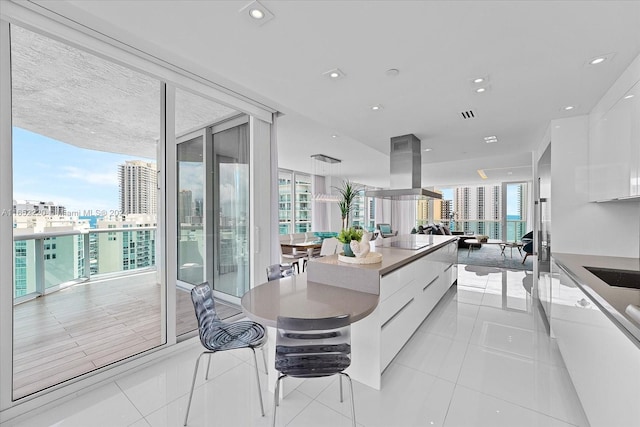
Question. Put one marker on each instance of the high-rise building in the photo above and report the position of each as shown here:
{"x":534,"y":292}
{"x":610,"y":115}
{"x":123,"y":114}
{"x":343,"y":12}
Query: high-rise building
{"x":446,"y":209}
{"x":479,"y":209}
{"x":138,"y":187}
{"x":125,"y":250}
{"x":185,"y":206}
{"x":429,"y":211}
{"x":30,"y":207}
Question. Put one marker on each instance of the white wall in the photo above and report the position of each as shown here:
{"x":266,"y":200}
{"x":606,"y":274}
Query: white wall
{"x":580,"y":226}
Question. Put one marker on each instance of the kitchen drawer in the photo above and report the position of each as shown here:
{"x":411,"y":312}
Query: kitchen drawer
{"x":397,"y":330}
{"x":429,"y":295}
{"x":396,"y":280}
{"x":389,"y":307}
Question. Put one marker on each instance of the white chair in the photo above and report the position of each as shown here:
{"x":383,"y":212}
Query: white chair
{"x":291,"y":256}
{"x":329,"y":247}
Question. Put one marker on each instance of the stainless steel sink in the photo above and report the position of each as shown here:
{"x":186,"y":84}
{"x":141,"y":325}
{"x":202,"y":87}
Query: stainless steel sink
{"x":619,"y":278}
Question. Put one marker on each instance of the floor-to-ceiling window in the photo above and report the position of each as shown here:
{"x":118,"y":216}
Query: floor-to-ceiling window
{"x":499,"y":211}
{"x":285,"y":195}
{"x":517,"y":209}
{"x":303,"y":203}
{"x":85,"y":134}
{"x":95,"y":262}
{"x":294,"y":202}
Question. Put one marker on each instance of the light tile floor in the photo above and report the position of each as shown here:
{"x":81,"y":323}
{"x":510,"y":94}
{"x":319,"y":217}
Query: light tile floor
{"x":482,"y":358}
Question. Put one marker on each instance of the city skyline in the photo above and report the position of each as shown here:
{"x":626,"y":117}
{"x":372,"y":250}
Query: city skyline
{"x":79,"y":179}
{"x":86,"y":181}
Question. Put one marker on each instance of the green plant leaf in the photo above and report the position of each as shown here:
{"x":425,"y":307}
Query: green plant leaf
{"x":346,"y":235}
{"x":348,"y":192}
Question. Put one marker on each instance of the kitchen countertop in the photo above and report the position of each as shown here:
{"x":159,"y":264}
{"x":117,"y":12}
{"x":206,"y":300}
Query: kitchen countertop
{"x":392,"y":257}
{"x":611,"y":299}
{"x":294,"y":296}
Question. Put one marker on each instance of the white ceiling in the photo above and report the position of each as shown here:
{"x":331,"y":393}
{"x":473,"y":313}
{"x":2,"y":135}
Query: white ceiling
{"x":533,"y":52}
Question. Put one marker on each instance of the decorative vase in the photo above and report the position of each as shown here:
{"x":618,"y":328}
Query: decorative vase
{"x":347,"y":250}
{"x":361,"y":249}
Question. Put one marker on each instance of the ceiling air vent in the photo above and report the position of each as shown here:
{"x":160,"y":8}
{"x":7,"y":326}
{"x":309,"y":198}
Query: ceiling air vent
{"x":468,"y":114}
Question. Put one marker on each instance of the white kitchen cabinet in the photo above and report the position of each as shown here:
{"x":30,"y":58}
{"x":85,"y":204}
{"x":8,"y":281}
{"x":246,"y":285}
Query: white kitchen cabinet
{"x":614,"y":149}
{"x":603,"y":363}
{"x":407,"y":296}
{"x":425,"y":281}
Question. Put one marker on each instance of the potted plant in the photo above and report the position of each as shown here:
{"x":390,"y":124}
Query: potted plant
{"x":345,"y":237}
{"x":348,"y":192}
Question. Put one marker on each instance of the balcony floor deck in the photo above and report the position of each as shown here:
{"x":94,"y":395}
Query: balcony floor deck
{"x":87,"y":326}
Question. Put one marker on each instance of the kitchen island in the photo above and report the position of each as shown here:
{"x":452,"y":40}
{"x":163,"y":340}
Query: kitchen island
{"x":388,"y":301}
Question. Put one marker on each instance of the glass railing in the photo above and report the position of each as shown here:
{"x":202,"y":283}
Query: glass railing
{"x":46,"y":262}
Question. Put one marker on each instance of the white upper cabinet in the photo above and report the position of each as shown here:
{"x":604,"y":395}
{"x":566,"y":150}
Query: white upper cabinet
{"x":614,"y":149}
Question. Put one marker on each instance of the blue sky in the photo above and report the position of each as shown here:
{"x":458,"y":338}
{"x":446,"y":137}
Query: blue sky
{"x":79,"y":179}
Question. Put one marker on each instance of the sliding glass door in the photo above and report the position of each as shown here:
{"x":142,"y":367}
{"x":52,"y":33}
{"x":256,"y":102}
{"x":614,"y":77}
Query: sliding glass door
{"x":228,"y":158}
{"x":213,"y":208}
{"x":86,"y":290}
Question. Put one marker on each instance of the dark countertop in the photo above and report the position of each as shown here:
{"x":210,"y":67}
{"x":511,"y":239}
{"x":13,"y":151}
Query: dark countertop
{"x":611,"y":299}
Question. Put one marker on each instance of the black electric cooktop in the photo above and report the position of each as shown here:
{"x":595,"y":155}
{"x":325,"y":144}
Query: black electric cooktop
{"x":409,"y":244}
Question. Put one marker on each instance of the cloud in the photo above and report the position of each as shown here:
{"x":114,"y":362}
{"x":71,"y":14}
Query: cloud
{"x":109,"y":178}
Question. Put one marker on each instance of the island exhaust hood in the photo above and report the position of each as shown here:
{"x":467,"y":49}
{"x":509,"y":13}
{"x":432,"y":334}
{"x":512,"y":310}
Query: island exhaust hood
{"x":406,"y":172}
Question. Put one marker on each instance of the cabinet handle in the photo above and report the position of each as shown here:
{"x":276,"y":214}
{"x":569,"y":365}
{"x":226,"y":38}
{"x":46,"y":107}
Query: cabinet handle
{"x":447,"y":269}
{"x":396,"y":313}
{"x":430,"y":283}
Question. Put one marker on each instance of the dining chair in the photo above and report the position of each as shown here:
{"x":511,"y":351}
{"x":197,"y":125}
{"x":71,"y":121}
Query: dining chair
{"x":278,"y":271}
{"x":313,"y":348}
{"x":289,"y":255}
{"x":216,"y":336}
{"x":329,"y":247}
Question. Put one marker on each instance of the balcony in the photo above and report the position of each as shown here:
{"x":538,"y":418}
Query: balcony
{"x":70,"y":319}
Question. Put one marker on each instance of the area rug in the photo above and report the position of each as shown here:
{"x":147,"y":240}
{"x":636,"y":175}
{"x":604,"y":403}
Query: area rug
{"x":490,"y":256}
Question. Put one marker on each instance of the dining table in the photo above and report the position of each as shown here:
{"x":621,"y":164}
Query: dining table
{"x":295,"y":296}
{"x":309,"y":246}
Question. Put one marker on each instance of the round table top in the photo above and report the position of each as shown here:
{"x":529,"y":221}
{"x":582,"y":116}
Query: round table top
{"x":293,"y":296}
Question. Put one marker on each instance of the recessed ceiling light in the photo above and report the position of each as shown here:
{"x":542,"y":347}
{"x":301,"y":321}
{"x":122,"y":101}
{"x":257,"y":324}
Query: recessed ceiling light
{"x":478,"y":80}
{"x":334,"y":74}
{"x":376,"y":107}
{"x":482,"y":174}
{"x":428,"y":149}
{"x":490,"y":139}
{"x":392,"y":72}
{"x":596,"y":60}
{"x":480,"y":90}
{"x":334,"y":136}
{"x":629,"y":96}
{"x":568,"y":107}
{"x":256,"y":13}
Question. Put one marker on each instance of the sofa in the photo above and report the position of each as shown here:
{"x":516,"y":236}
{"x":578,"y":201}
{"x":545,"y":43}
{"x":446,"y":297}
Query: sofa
{"x":462,"y":238}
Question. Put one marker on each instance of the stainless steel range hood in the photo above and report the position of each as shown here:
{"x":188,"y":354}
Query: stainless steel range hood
{"x":406,"y":172}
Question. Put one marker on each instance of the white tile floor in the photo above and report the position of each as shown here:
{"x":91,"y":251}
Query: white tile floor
{"x":482,"y":358}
